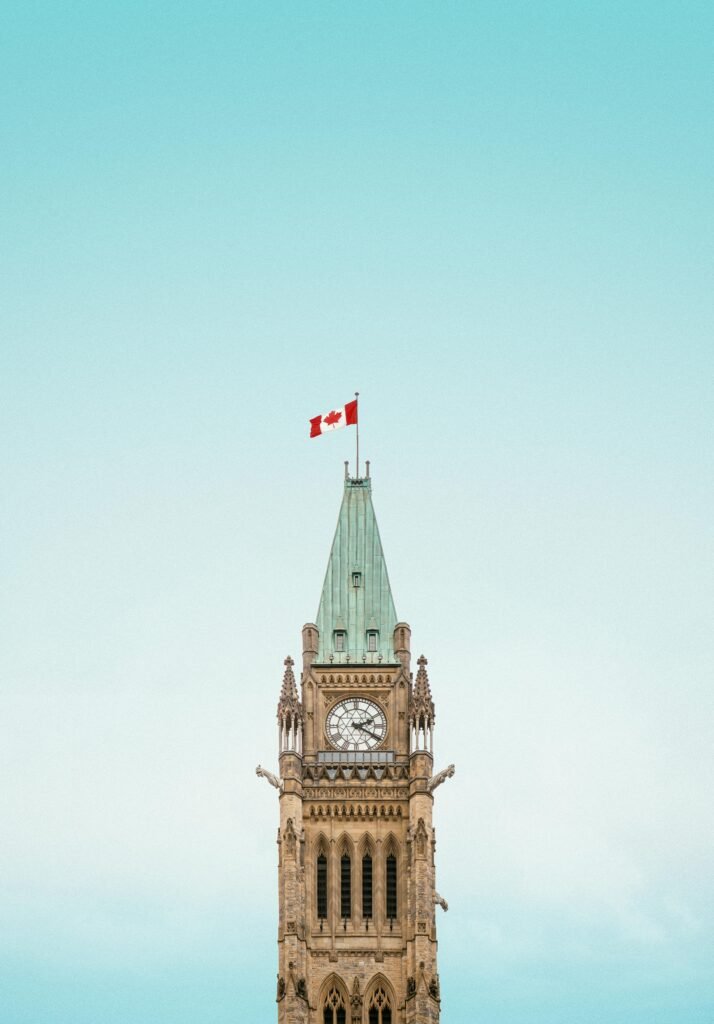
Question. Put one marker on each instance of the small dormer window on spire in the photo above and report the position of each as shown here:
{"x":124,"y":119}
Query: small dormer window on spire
{"x":356,"y":579}
{"x":340,"y":638}
{"x":372,"y":638}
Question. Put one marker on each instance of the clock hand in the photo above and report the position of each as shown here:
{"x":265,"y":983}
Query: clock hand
{"x":369,"y":732}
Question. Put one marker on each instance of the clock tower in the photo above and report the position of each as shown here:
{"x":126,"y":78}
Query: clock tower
{"x":356,"y":879}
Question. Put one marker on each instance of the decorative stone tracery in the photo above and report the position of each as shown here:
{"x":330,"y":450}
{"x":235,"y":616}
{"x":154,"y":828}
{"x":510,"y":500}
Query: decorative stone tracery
{"x":334,"y":1006}
{"x":379,"y":1008}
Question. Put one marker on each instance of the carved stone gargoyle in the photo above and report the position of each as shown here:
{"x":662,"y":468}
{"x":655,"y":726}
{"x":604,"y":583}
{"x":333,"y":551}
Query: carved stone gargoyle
{"x":271,"y":779}
{"x":440,"y":901}
{"x":436,"y":780}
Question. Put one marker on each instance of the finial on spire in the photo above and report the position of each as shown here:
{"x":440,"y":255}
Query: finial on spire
{"x":422,"y":690}
{"x":288,"y":694}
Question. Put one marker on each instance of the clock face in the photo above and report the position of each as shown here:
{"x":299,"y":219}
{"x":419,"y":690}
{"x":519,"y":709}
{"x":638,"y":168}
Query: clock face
{"x":356,"y":724}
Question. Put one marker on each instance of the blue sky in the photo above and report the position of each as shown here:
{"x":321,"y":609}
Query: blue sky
{"x":494,"y":221}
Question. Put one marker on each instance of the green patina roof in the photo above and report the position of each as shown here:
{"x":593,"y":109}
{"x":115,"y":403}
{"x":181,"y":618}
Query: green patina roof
{"x":356,"y":609}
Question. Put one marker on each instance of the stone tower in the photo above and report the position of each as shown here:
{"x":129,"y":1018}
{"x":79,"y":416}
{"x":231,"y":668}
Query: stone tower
{"x":357,"y":925}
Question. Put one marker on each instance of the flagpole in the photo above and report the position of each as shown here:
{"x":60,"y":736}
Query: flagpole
{"x":357,"y":425}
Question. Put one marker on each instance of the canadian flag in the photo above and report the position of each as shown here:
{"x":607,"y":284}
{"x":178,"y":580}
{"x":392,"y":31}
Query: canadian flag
{"x":335,"y":419}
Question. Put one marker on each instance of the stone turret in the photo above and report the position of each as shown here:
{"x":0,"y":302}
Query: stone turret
{"x":310,"y":641}
{"x":403,"y":644}
{"x":422,"y":989}
{"x":292,"y":1004}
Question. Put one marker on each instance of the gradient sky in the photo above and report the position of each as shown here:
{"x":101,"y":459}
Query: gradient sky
{"x":494,"y":220}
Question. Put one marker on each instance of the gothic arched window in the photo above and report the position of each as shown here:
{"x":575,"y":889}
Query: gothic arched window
{"x":322,"y":885}
{"x":345,"y":886}
{"x":391,"y":886}
{"x":334,"y":1008}
{"x":366,"y":886}
{"x":380,"y":1009}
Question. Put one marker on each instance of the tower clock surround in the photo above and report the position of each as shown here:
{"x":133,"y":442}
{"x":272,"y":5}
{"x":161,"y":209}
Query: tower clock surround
{"x":356,"y":844}
{"x":355,"y":723}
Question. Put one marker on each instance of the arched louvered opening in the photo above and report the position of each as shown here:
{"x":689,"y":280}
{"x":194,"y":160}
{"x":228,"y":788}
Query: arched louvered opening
{"x":391,"y":886}
{"x":321,"y":885}
{"x":380,"y":1007}
{"x":345,"y":885}
{"x":367,"y":885}
{"x":333,"y":1011}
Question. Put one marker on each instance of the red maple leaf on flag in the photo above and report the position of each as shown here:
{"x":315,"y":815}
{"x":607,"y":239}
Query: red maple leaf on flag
{"x":332,"y":417}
